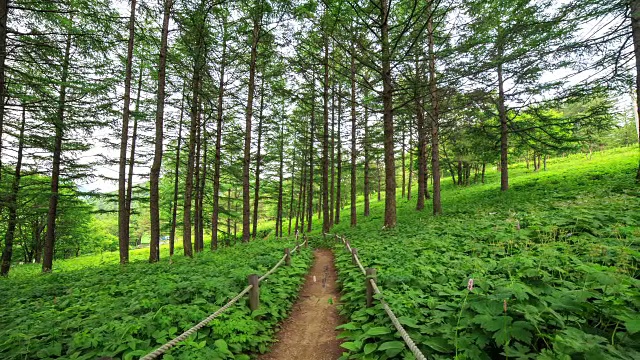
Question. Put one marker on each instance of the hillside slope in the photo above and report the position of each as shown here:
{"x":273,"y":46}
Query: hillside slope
{"x":554,"y":263}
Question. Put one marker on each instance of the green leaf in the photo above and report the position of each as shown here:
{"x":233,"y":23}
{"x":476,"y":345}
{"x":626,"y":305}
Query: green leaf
{"x":351,"y":346}
{"x":377,"y":331}
{"x":391,"y":345}
{"x":369,"y":348}
{"x":439,"y":344}
{"x":633,"y":326}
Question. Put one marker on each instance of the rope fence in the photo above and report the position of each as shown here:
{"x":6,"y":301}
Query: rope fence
{"x":253,"y":291}
{"x":372,"y":288}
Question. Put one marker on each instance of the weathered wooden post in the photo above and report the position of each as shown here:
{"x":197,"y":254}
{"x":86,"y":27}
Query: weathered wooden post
{"x":347,"y":245}
{"x":306,"y":241}
{"x":337,"y":238}
{"x":354,"y":253}
{"x":371,"y":274}
{"x":287,"y":259}
{"x":254,"y":293}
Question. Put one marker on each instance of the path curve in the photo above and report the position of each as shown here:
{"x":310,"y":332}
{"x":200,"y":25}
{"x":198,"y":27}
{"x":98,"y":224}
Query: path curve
{"x":310,"y":331}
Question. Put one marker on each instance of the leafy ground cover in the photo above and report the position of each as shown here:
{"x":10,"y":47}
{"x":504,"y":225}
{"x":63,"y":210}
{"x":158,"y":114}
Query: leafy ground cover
{"x":554,"y":264}
{"x":90,"y":307}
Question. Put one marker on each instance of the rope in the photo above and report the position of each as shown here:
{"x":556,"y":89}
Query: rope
{"x":164,"y":348}
{"x":272,"y":269}
{"x":396,"y":323}
{"x":405,"y":336}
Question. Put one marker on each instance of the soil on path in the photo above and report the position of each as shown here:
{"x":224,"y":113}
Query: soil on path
{"x":310,"y":331}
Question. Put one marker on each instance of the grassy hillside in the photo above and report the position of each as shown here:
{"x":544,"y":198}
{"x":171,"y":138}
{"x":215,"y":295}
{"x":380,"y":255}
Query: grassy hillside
{"x":554,"y":262}
{"x":91,"y":307}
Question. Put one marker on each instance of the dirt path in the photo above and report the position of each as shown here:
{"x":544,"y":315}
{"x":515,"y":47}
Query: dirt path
{"x":309,"y":332}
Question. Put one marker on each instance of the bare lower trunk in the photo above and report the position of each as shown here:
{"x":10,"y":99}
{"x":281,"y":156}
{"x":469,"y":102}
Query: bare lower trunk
{"x":216,"y":169}
{"x":311,"y":138}
{"x":504,"y":145}
{"x":367,"y":162}
{"x":154,"y":196}
{"x":435,"y":121}
{"x":203,"y":181}
{"x":339,"y":180}
{"x":246,"y":161}
{"x":387,"y":104}
{"x":12,"y":204}
{"x":256,"y":194}
{"x":635,"y":32}
{"x":409,"y":185}
{"x":280,"y":184}
{"x":300,"y":207}
{"x":49,"y":242}
{"x":353,"y":135}
{"x":132,"y":153}
{"x":422,"y":142}
{"x":293,"y":181}
{"x":123,"y":211}
{"x":326,"y":220}
{"x":188,"y":187}
{"x":197,"y":222}
{"x":4,"y":8}
{"x":174,"y":215}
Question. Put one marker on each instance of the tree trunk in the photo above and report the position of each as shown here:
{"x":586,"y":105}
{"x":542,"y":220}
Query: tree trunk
{"x":123,"y":212}
{"x":246,"y":161}
{"x":49,"y":242}
{"x":197,"y":223}
{"x":387,"y":101}
{"x":404,"y":164}
{"x":332,"y":166}
{"x":460,"y":179}
{"x":293,"y":181}
{"x":256,"y":195}
{"x":188,"y":188}
{"x":422,"y":141}
{"x":353,"y":135}
{"x":216,"y":169}
{"x":311,"y":138}
{"x":410,"y":162}
{"x":132,"y":156}
{"x":379,"y":176}
{"x":300,"y":207}
{"x":4,"y":8}
{"x":435,"y":120}
{"x":635,"y":31}
{"x":280,"y":183}
{"x":203,"y":181}
{"x":229,"y":217}
{"x":484,"y":165}
{"x":154,"y":198}
{"x":367,"y":160}
{"x":504,"y":145}
{"x":12,"y":203}
{"x":326,"y":220}
{"x":339,"y":180}
{"x":174,"y":215}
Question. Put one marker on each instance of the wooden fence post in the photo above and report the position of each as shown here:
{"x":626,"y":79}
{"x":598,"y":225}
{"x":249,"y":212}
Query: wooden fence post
{"x":287,"y":260}
{"x":371,"y":274}
{"x":306,"y":241}
{"x":254,"y":293}
{"x":354,"y":253}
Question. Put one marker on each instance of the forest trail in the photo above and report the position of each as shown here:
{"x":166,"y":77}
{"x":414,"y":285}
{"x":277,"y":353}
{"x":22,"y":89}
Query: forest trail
{"x":310,"y":331}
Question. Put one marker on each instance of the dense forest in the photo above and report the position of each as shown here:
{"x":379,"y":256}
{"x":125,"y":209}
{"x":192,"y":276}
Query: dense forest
{"x":190,"y":126}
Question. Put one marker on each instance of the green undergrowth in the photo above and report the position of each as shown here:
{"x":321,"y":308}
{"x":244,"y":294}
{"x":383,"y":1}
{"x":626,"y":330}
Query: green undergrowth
{"x":554,"y":263}
{"x":88,"y":312}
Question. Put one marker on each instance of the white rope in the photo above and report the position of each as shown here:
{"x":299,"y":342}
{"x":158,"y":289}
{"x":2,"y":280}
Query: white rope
{"x":396,"y":323}
{"x":166,"y":347}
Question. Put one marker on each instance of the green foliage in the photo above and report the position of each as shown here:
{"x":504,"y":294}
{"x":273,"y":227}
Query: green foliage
{"x":554,"y":263}
{"x":84,"y":312}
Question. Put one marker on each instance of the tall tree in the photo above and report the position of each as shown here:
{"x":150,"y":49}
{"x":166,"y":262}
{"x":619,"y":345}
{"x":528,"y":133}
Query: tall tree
{"x":154,"y":177}
{"x":123,"y":213}
{"x":256,"y":18}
